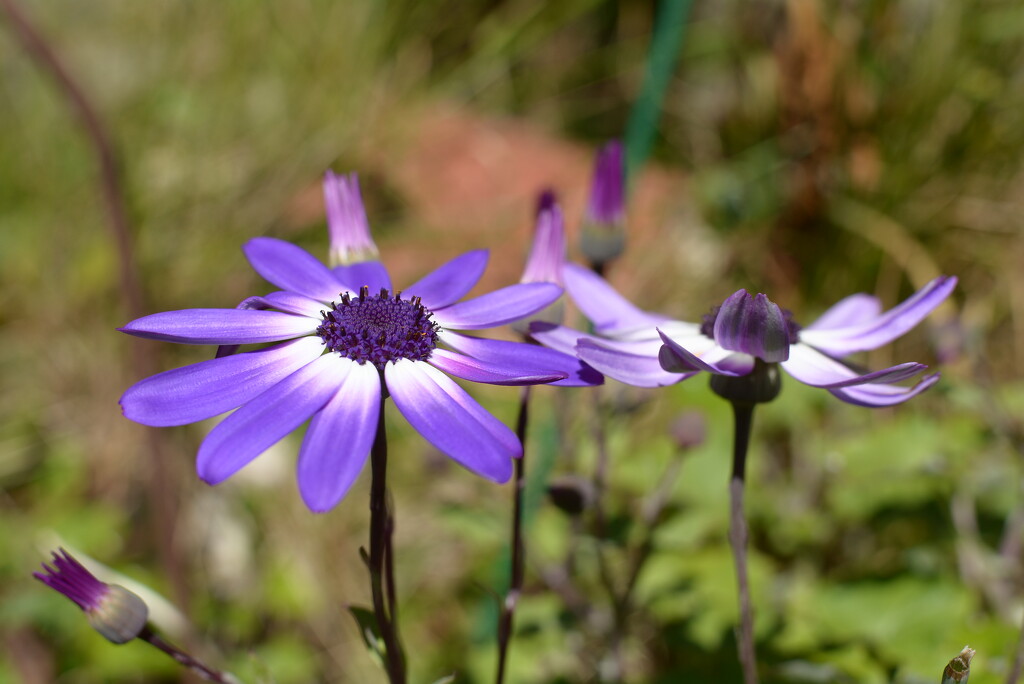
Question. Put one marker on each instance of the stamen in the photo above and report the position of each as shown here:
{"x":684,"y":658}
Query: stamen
{"x":378,"y":329}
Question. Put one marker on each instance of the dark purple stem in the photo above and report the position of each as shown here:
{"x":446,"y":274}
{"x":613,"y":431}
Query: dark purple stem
{"x":381,"y":561}
{"x":518,"y":556}
{"x":142,"y":361}
{"x":185,"y":659}
{"x":744,"y":420}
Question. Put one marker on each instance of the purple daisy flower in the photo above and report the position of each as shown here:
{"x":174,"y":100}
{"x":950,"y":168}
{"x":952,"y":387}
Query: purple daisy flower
{"x":342,"y":338}
{"x":648,"y":350}
{"x":113,"y":611}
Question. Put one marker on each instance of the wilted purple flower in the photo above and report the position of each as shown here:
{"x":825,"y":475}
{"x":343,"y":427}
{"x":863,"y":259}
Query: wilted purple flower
{"x":603,"y":236}
{"x":343,"y":337}
{"x":650,"y":350}
{"x":113,"y":611}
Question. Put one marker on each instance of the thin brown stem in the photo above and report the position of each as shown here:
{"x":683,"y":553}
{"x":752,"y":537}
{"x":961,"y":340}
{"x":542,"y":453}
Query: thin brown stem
{"x":195,"y":666}
{"x":518,"y":548}
{"x":744,"y":418}
{"x":381,"y":561}
{"x":143,"y":363}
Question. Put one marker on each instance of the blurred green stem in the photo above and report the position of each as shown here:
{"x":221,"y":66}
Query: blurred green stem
{"x":518,"y":556}
{"x":743,"y":413}
{"x":381,"y":556}
{"x":669,"y":29}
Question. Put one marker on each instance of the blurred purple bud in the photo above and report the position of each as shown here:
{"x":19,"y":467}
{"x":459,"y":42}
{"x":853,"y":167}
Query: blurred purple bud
{"x":689,"y":430}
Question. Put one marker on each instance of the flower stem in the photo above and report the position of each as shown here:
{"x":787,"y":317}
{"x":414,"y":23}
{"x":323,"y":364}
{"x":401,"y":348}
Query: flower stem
{"x":185,"y":659}
{"x":518,"y":556}
{"x":743,"y":413}
{"x":381,"y":556}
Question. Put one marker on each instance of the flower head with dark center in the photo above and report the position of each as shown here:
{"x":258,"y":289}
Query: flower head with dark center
{"x":337,"y":349}
{"x":113,"y":611}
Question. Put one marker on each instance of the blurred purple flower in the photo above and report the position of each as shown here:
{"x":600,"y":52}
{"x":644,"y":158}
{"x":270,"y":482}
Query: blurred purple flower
{"x":113,"y":611}
{"x":344,"y":336}
{"x":603,"y":236}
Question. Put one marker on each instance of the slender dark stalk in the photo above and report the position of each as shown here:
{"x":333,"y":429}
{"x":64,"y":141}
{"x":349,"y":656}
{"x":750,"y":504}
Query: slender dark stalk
{"x":143,"y":363}
{"x":518,"y":548}
{"x":381,"y":562}
{"x":185,"y":659}
{"x":1018,"y":657}
{"x":744,"y":420}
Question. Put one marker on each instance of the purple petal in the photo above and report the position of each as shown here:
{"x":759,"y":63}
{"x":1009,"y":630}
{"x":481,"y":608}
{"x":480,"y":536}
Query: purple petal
{"x":451,"y":420}
{"x":371,"y":274}
{"x":557,"y":337}
{"x":677,"y":359}
{"x":632,"y":369}
{"x":880,"y":330}
{"x":209,"y":388}
{"x":221,"y":326}
{"x":493,"y":373}
{"x":811,"y":367}
{"x":607,"y":309}
{"x":499,"y":307}
{"x":292,"y":268}
{"x":547,"y":253}
{"x":339,"y":439}
{"x":289,"y":302}
{"x":875,"y":396}
{"x":519,"y":355}
{"x":753,"y":325}
{"x":450,"y":282}
{"x":857,"y":308}
{"x":265,"y":420}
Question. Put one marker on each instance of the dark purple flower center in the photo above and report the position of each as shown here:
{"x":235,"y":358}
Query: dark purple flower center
{"x":707,"y":324}
{"x":379,"y":329}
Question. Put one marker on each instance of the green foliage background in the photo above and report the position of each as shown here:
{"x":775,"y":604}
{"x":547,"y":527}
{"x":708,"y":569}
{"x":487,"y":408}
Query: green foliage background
{"x":828,"y":148}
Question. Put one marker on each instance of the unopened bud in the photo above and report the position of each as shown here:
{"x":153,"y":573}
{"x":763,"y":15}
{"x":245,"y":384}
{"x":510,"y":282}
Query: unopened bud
{"x":959,"y":668}
{"x":603,"y":237}
{"x":113,"y":611}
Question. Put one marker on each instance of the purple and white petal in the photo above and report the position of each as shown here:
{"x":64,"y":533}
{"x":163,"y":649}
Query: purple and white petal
{"x":639,"y":370}
{"x":491,"y":372}
{"x":676,"y":358}
{"x":209,"y":388}
{"x":519,"y":355}
{"x":877,"y":396}
{"x":292,"y":268}
{"x":339,"y":439}
{"x":369,"y":274}
{"x":451,"y":420}
{"x":451,"y":282}
{"x":557,"y":337}
{"x":853,"y":310}
{"x":290,"y":302}
{"x":813,"y":368}
{"x":607,"y":309}
{"x":499,"y":307}
{"x":884,"y":328}
{"x":221,"y":326}
{"x":265,"y":420}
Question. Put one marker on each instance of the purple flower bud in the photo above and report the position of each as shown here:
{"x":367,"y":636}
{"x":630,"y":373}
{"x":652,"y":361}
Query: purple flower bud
{"x":113,"y":611}
{"x":547,"y":253}
{"x":346,"y":221}
{"x":603,"y":236}
{"x":753,"y":325}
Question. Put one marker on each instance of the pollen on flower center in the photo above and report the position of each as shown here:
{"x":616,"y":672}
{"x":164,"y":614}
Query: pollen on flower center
{"x":380,"y":328}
